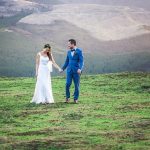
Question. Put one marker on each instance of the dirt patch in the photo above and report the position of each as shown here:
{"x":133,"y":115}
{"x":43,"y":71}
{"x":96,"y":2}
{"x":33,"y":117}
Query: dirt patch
{"x":32,"y":112}
{"x":134,"y":106}
{"x":4,"y":140}
{"x":54,"y":121}
{"x":103,"y":147}
{"x":131,"y":136}
{"x":46,"y":131}
{"x":114,"y":117}
{"x":138,"y":136}
{"x":42,"y":144}
{"x":142,"y":104}
{"x":143,"y":123}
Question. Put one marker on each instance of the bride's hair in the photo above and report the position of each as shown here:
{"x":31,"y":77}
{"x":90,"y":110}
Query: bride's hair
{"x":49,"y":54}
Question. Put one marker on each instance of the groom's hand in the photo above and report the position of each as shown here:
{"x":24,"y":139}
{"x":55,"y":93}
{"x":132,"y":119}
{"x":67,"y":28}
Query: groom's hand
{"x":79,"y":71}
{"x":60,"y":70}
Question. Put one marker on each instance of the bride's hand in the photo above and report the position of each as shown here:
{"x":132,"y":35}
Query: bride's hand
{"x":60,"y":70}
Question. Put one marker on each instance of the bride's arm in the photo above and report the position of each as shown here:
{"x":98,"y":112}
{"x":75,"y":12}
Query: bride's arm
{"x":37,"y":64}
{"x":54,"y":63}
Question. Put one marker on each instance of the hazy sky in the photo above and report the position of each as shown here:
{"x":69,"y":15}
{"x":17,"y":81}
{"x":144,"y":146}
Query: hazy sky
{"x":138,"y":3}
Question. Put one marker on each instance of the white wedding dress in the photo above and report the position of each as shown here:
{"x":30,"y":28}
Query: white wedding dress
{"x":43,"y":89}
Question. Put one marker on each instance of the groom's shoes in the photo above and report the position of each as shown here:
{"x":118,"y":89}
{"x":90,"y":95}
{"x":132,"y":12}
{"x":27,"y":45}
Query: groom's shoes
{"x":67,"y":100}
{"x":76,"y":101}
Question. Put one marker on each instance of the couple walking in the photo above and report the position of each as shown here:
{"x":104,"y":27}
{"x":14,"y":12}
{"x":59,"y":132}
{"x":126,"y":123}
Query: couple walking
{"x":44,"y":61}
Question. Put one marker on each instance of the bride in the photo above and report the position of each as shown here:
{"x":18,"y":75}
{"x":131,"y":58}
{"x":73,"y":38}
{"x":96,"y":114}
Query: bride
{"x":43,"y":88}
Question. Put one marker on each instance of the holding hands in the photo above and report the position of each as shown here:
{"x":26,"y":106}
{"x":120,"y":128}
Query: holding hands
{"x":60,"y":70}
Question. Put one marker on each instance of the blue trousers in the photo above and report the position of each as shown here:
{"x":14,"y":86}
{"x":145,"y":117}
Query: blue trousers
{"x":76,"y":79}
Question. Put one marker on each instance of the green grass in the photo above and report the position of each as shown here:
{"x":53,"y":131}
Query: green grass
{"x":112,"y":114}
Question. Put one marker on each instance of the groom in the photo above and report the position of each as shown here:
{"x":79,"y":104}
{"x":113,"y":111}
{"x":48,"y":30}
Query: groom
{"x":74,"y":64}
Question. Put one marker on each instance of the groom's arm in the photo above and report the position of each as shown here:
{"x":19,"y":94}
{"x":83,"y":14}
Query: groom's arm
{"x":66,"y":63}
{"x":81,"y":60}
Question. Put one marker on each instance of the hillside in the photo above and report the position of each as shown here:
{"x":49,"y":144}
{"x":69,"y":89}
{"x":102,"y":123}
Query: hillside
{"x":96,"y":19}
{"x":113,"y":113}
{"x":114,"y":36}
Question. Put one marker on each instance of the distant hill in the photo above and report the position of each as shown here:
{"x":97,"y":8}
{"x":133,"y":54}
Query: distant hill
{"x":100,"y":21}
{"x":114,"y":37}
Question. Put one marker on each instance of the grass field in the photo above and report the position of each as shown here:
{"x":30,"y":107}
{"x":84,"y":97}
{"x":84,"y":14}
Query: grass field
{"x":113,"y":113}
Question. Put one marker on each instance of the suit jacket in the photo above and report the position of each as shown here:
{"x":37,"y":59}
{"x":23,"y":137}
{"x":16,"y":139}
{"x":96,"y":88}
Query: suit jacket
{"x":74,"y":62}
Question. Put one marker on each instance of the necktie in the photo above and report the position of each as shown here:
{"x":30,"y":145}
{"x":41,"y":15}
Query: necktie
{"x":72,"y":50}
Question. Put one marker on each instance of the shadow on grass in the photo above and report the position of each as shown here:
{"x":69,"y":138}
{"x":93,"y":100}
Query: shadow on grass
{"x":133,"y":106}
{"x":55,"y":105}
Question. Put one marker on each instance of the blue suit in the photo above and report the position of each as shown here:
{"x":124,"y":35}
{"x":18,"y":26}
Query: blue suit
{"x":73,"y":63}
